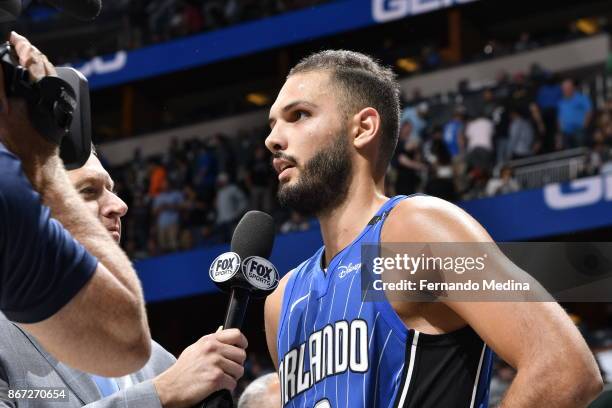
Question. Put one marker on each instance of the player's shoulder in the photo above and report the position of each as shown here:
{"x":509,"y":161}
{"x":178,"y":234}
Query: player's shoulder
{"x":419,"y":207}
{"x":428,"y":218}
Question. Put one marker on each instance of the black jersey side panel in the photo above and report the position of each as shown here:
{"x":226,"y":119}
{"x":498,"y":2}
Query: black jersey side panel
{"x":444,"y":371}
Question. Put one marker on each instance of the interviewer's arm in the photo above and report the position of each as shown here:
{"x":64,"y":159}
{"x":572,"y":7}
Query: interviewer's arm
{"x":103,"y":329}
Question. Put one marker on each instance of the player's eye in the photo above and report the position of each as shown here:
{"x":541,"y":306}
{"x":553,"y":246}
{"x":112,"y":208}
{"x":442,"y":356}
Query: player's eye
{"x":300,"y":114}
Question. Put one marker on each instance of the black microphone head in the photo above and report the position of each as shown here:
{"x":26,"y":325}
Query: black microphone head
{"x":82,"y":9}
{"x":254,"y":235}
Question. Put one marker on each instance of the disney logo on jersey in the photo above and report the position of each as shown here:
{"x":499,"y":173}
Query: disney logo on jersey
{"x":224,"y":267}
{"x":346,"y":269}
{"x":260,"y":272}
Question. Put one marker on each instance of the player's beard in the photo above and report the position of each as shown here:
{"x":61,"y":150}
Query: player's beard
{"x":323,"y":182}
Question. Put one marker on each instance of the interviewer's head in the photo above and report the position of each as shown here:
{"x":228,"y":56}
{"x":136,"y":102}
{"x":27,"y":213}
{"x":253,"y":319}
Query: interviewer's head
{"x":96,"y":187}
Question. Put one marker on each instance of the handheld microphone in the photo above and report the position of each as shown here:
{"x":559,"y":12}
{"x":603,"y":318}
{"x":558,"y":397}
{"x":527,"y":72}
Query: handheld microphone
{"x":245,"y":272}
{"x":82,"y":9}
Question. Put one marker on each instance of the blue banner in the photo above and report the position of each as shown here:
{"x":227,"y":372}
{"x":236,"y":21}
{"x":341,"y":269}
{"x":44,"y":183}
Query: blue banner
{"x":186,"y":273}
{"x":557,"y":209}
{"x":289,"y":28}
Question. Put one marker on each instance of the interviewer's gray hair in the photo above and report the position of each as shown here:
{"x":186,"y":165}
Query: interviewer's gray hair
{"x":255,"y":394}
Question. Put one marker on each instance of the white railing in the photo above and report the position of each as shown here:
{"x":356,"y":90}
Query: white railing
{"x":558,"y":167}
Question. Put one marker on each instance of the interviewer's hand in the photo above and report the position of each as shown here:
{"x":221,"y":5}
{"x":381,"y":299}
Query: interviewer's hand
{"x":16,"y":131}
{"x":213,"y":363}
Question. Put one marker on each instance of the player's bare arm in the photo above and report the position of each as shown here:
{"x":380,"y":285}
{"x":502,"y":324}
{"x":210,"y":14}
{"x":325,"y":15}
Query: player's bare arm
{"x":554,"y":365}
{"x":272,"y":310}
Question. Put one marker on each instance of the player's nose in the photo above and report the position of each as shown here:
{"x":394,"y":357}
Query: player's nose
{"x":276,"y":141}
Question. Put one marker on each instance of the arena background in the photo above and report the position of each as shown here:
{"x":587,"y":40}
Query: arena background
{"x":181,"y":90}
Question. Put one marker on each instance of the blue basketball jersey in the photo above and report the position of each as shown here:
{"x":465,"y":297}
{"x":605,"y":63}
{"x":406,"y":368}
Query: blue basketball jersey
{"x":336,"y":350}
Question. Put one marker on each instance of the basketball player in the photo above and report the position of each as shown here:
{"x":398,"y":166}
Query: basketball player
{"x":334,"y":127}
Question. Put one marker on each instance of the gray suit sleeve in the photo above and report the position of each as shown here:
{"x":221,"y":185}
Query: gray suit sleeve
{"x":5,"y":401}
{"x":141,"y":395}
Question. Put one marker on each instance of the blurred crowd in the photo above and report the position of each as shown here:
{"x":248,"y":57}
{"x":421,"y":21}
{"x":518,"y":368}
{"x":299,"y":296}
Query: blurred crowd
{"x":143,"y":22}
{"x":195,"y":193}
{"x":467,"y":148}
{"x":161,"y":20}
{"x":419,"y":58}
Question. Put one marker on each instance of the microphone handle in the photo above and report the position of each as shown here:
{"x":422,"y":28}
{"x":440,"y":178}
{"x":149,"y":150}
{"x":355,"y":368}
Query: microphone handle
{"x":234,"y":317}
{"x":236,"y":309}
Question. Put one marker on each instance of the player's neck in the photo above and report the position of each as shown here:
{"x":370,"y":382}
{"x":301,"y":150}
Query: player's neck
{"x":340,"y":226}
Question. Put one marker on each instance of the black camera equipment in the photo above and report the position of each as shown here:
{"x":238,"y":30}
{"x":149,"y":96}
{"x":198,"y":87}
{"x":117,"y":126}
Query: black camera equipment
{"x":58,"y":106}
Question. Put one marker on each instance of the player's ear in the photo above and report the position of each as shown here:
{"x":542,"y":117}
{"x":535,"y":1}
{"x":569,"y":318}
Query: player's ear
{"x":366,"y":124}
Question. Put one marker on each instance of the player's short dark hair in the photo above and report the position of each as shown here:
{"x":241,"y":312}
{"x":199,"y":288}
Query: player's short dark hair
{"x":362,"y":82}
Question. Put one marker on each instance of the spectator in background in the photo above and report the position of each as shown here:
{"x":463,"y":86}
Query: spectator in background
{"x":600,"y":158}
{"x":524,"y":43}
{"x":430,"y":58}
{"x":166,"y":208}
{"x":521,"y":137}
{"x":501,"y":122}
{"x":224,"y":155}
{"x":416,"y":115}
{"x":453,"y":132}
{"x":258,"y":180}
{"x":187,"y":221}
{"x":503,"y":184}
{"x":489,"y":103}
{"x":479,"y":138}
{"x":264,"y":392}
{"x":604,"y":122}
{"x":477,"y":180}
{"x":137,"y":172}
{"x":205,"y":172}
{"x":440,"y":181}
{"x":548,"y":97}
{"x":523,"y":100}
{"x":230,"y":204}
{"x":157,"y":178}
{"x":139,"y":223}
{"x":177,"y":171}
{"x":197,"y":219}
{"x":295,"y":223}
{"x":408,"y":162}
{"x":574,"y":116}
{"x":192,"y":16}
